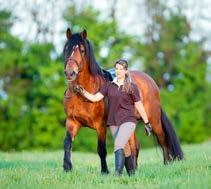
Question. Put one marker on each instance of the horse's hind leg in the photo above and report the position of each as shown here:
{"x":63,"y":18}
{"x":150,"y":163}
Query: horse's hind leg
{"x":158,"y":131}
{"x":134,"y":147}
{"x":101,"y":148}
{"x":72,"y":130}
{"x":131,"y":150}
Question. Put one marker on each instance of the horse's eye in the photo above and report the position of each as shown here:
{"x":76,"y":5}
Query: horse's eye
{"x":82,"y":51}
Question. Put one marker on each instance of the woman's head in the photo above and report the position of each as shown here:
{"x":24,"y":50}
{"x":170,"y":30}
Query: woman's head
{"x":121,"y":68}
{"x":122,"y":62}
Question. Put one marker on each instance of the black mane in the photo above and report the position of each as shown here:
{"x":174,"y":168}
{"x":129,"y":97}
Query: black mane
{"x":76,"y":39}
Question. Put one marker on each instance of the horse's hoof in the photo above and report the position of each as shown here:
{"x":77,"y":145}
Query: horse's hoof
{"x":167,"y":162}
{"x":67,"y":170}
{"x":67,"y":167}
{"x":105,"y":172}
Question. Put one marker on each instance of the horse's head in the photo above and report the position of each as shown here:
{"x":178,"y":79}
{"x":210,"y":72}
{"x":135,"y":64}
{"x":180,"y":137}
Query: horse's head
{"x":74,"y":54}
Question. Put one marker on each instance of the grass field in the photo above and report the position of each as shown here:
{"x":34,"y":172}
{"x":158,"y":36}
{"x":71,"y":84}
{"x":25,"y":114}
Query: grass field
{"x":44,"y":170}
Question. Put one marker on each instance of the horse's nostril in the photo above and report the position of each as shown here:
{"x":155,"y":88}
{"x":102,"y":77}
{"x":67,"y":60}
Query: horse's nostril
{"x":69,"y":74}
{"x":72,"y":73}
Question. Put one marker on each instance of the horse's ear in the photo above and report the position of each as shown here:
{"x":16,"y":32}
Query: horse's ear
{"x":68,"y":33}
{"x":84,"y":34}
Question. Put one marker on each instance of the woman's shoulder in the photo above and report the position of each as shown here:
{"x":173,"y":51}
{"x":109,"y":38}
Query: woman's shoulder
{"x":108,"y":83}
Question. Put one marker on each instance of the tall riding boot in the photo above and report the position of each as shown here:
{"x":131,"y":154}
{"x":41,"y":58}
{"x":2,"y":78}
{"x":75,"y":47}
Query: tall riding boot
{"x":130,"y":165}
{"x":119,"y":161}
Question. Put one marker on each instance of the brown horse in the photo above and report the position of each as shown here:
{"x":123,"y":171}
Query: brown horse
{"x":81,"y":68}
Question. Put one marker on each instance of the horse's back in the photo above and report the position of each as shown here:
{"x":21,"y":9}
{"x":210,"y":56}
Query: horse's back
{"x":149,"y":92}
{"x":144,"y":82}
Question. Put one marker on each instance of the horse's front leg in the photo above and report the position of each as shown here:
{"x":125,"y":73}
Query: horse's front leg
{"x":72,"y":128}
{"x":101,"y":148}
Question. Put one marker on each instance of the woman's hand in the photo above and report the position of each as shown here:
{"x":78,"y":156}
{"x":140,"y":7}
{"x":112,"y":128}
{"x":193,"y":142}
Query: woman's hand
{"x":79,"y":89}
{"x":92,"y":97}
{"x":148,"y":128}
{"x":139,"y":106}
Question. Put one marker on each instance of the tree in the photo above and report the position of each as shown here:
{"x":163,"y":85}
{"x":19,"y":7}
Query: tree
{"x":31,"y":97}
{"x":178,"y":64}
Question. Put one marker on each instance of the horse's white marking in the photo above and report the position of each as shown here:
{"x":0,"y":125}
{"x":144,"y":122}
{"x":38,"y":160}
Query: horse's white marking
{"x":74,"y":48}
{"x":72,"y":54}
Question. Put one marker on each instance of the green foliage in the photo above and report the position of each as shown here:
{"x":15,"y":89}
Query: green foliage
{"x":5,"y":22}
{"x":31,"y":111}
{"x":32,"y":83}
{"x":179,"y":67}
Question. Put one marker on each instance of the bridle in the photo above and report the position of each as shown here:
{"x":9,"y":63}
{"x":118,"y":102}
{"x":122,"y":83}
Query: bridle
{"x":76,"y":62}
{"x":71,"y":85}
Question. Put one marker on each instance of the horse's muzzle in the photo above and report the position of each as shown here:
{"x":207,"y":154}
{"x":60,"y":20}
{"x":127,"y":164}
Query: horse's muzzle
{"x":71,"y":75}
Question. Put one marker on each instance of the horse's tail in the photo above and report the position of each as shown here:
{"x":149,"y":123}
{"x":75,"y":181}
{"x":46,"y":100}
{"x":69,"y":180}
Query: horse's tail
{"x":172,"y":140}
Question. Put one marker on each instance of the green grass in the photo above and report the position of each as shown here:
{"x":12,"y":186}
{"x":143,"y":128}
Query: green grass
{"x":44,"y":170}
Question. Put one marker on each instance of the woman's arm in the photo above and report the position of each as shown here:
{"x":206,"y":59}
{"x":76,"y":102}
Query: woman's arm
{"x":94,"y":98}
{"x":139,"y":106}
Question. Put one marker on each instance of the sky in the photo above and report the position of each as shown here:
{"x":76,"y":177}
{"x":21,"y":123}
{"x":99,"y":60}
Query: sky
{"x":131,"y":18}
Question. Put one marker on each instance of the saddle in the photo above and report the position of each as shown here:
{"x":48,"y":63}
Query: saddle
{"x":109,"y":75}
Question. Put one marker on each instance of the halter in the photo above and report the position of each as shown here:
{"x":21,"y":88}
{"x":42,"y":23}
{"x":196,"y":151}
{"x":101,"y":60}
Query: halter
{"x":72,"y":59}
{"x":71,"y":86}
{"x":76,"y":62}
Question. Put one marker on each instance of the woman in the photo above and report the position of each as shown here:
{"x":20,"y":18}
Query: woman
{"x":123,"y":98}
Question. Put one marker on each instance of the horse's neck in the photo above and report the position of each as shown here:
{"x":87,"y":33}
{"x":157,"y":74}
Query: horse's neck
{"x":90,"y":82}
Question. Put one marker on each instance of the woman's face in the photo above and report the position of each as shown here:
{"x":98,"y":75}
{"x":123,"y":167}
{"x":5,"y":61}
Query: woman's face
{"x":120,"y":71}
